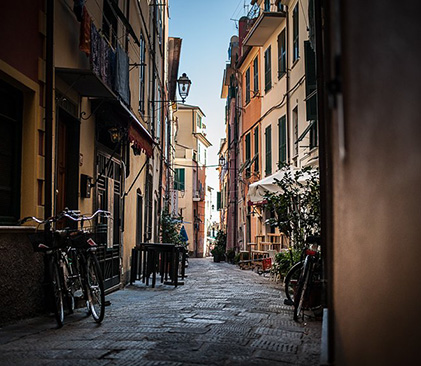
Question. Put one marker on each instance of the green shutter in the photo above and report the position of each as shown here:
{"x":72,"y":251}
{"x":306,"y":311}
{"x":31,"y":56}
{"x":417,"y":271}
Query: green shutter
{"x":311,"y":82}
{"x":256,"y":148}
{"x":282,"y":139}
{"x":181,"y":180}
{"x":218,"y":200}
{"x":268,"y":139}
{"x":179,"y":184}
{"x":248,"y":154}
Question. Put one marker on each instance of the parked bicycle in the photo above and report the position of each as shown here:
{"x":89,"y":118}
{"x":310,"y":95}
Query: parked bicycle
{"x":303,"y":280}
{"x":73,"y":268}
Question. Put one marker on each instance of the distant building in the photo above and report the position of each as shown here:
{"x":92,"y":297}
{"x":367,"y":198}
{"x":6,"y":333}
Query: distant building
{"x":191,"y":147}
{"x":271,"y":113}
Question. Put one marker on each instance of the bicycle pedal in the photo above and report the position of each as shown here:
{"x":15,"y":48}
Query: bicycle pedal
{"x":288,"y":302}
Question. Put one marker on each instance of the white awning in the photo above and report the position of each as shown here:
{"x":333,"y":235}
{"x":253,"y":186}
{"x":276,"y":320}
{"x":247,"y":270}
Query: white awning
{"x":257,"y":190}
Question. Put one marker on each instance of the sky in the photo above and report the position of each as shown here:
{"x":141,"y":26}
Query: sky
{"x":206,"y":29}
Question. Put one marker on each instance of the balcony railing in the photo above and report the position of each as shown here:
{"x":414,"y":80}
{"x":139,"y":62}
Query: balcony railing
{"x":264,"y":23}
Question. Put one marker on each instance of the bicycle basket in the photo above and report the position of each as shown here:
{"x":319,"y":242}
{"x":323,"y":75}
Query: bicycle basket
{"x":79,"y":239}
{"x":86,"y":239}
{"x":40,"y":237}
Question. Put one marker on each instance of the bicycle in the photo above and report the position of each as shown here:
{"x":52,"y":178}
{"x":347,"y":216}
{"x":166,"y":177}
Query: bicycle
{"x":72,"y":264}
{"x":302,"y":280}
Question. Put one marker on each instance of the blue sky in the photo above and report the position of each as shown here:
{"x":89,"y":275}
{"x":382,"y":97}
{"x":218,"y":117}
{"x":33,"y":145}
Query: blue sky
{"x":206,"y":29}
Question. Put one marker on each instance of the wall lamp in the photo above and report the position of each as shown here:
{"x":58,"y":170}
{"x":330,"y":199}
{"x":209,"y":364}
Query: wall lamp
{"x":183,"y":83}
{"x":183,"y":86}
{"x":221,"y":160}
{"x":115,"y":134}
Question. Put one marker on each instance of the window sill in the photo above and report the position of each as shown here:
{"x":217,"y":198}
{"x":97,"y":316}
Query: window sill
{"x":17,"y":229}
{"x":295,"y":62}
{"x":280,"y":76}
{"x":267,"y":91}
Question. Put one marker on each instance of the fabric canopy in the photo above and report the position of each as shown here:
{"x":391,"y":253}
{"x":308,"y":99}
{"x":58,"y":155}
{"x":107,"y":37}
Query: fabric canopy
{"x":257,"y":190}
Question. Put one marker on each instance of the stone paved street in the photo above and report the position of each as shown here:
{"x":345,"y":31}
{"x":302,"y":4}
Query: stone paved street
{"x":221,"y":316}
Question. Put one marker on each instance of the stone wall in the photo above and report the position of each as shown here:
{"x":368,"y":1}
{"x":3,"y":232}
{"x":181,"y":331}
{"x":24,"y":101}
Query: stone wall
{"x":21,"y":275}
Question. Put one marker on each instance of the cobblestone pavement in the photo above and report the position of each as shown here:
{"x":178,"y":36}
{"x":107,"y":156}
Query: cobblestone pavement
{"x":221,"y":316}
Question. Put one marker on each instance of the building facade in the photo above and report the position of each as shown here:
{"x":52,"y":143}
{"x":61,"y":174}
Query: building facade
{"x":87,"y":86}
{"x":271,"y":96}
{"x":190,"y":174}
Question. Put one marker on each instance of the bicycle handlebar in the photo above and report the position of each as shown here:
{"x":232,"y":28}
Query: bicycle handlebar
{"x":72,"y":215}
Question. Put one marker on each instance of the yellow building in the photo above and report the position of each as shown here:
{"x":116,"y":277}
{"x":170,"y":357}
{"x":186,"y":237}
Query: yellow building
{"x":275,"y":96}
{"x":85,"y":90}
{"x":190,"y":174}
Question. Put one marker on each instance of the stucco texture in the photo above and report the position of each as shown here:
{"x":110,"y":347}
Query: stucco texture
{"x":22,"y":276}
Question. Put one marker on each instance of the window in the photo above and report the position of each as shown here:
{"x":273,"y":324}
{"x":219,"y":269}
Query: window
{"x":109,"y":24}
{"x":248,"y":86}
{"x":268,"y":140}
{"x":313,"y":135}
{"x":282,"y":139}
{"x":295,"y":124}
{"x":295,"y":39}
{"x":256,"y":149}
{"x":148,"y":206}
{"x":139,"y":219}
{"x":142,"y":74}
{"x":179,"y":179}
{"x":248,"y":154}
{"x":256,"y":75}
{"x":268,"y":70}
{"x":198,"y":121}
{"x":267,"y":5}
{"x":11,"y":104}
{"x":282,"y":67}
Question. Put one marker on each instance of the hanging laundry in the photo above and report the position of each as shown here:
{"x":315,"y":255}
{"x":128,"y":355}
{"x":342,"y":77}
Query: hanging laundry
{"x":78,"y":6}
{"x":85,"y":32}
{"x":122,"y":75}
{"x":112,"y":67}
{"x":104,"y":60}
{"x":95,"y":58}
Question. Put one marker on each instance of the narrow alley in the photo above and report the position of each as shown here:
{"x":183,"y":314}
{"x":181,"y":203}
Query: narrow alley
{"x":220,"y":316}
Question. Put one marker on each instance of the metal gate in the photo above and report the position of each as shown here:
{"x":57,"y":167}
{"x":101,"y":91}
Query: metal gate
{"x":108,"y":198}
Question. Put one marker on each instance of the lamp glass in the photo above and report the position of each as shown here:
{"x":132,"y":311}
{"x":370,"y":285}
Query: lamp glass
{"x":183,"y":86}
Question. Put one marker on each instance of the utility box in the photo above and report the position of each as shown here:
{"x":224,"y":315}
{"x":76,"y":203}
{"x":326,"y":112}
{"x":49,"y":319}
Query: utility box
{"x":85,"y":186}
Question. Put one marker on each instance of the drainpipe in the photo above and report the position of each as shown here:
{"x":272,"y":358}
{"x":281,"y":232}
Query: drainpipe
{"x":49,"y":79}
{"x":287,"y":85}
{"x":153,"y":88}
{"x":162,"y":115}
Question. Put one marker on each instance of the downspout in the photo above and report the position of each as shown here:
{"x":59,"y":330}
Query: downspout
{"x":153,"y":96}
{"x":49,"y":80}
{"x":164,"y":112}
{"x":287,"y":86}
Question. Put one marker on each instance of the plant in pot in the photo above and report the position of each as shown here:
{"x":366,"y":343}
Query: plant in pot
{"x":218,"y":252}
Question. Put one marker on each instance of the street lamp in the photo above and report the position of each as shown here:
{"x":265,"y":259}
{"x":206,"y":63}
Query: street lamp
{"x":221,"y":161}
{"x":183,"y":86}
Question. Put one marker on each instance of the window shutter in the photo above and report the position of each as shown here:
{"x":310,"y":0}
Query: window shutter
{"x":311,"y":82}
{"x":282,"y":140}
{"x":268,"y":138}
{"x":218,"y":201}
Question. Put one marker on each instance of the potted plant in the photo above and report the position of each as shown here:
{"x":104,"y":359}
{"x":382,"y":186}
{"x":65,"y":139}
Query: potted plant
{"x":218,"y":252}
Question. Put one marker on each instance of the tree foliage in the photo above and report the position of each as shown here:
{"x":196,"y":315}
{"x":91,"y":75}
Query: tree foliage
{"x":297,"y":204}
{"x":170,"y":227}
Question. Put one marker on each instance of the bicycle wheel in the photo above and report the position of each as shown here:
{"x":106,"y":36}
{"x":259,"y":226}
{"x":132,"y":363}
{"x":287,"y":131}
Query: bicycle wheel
{"x":57,"y":291}
{"x":291,"y":281}
{"x":301,"y":289}
{"x":95,"y":288}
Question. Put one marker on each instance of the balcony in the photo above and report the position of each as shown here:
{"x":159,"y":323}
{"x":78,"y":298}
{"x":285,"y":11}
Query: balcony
{"x":264,"y":24}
